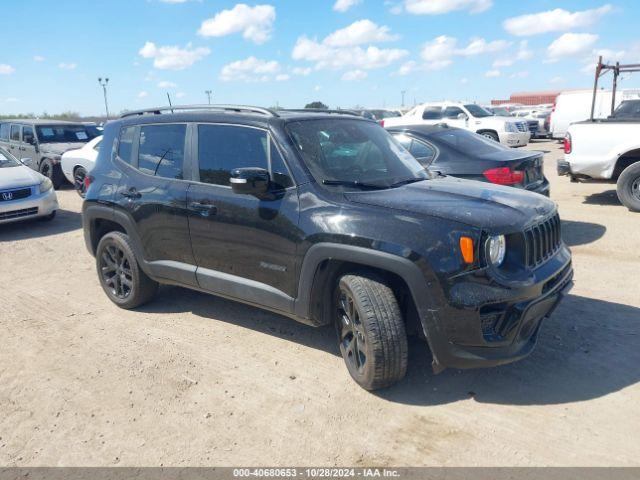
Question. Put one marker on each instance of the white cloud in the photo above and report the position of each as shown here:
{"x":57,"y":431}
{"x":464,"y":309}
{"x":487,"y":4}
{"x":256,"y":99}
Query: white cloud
{"x":6,"y":69}
{"x":326,"y":56}
{"x":38,"y":58}
{"x":439,"y":52}
{"x":165,"y":84}
{"x":67,"y":66}
{"x":255,"y":23}
{"x":143,"y":94}
{"x":523,"y":53}
{"x":344,"y":5}
{"x":251,"y":69}
{"x":406,"y":68}
{"x":172,"y":57}
{"x":354,"y":75}
{"x":304,"y":71}
{"x":437,"y":7}
{"x":479,"y":46}
{"x":521,"y":74}
{"x":556,"y":80}
{"x":557,"y":20}
{"x":569,"y":44}
{"x":492,"y":73}
{"x":358,"y":33}
{"x":283,"y":77}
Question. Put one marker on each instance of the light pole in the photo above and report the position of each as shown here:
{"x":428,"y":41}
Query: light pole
{"x":208,"y":92}
{"x":104,"y":84}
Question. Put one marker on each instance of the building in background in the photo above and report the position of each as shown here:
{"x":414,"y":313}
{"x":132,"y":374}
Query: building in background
{"x":530,"y":98}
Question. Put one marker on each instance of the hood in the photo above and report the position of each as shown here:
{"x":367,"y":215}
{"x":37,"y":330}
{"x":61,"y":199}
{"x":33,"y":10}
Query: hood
{"x":17,"y":177}
{"x":495,"y":208}
{"x":500,"y":118}
{"x":60,"y":148}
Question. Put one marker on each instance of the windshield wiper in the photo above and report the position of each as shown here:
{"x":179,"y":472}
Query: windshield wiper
{"x":406,"y":181}
{"x":353,"y":183}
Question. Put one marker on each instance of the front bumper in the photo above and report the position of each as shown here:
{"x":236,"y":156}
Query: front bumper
{"x":513,"y":139}
{"x":485,"y":325}
{"x":34,"y":206}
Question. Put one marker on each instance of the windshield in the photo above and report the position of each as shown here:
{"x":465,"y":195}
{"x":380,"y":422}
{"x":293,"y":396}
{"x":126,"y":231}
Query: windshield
{"x":8,"y":160}
{"x":477,"y":111}
{"x":627,"y":109}
{"x":468,"y":142}
{"x":345,"y":150}
{"x":500,"y":111}
{"x":66,"y":133}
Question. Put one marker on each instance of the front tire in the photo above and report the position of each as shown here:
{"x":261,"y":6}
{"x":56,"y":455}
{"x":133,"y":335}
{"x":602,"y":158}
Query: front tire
{"x":628,"y":187}
{"x":120,"y":276}
{"x":53,"y":172}
{"x":491,"y":136}
{"x":371,"y":331}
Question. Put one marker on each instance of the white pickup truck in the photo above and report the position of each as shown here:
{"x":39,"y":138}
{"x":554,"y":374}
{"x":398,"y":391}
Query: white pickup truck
{"x":605,"y":150}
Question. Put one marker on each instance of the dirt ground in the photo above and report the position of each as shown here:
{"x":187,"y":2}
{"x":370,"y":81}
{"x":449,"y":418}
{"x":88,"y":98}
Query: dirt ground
{"x":196,"y":380}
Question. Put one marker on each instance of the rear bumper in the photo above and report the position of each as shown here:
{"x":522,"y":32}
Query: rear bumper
{"x":563,"y":168}
{"x":35,"y":206}
{"x":488,"y":326}
{"x":543,"y":188}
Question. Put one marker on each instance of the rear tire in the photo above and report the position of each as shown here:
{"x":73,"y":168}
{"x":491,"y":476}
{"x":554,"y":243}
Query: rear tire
{"x":120,"y":276}
{"x":371,"y":331}
{"x":79,"y":175}
{"x":628,"y":187}
{"x":53,"y":172}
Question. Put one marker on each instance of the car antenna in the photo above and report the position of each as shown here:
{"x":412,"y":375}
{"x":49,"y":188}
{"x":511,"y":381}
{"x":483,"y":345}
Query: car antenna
{"x":170,"y":105}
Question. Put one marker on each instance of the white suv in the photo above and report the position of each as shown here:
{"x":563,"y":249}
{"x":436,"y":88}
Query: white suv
{"x":506,"y":130}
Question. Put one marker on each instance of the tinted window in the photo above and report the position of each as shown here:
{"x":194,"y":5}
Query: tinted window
{"x":4,"y":131}
{"x":452,"y":112}
{"x":161,"y":150}
{"x":15,"y":133}
{"x":7,"y":160}
{"x":222,"y":148}
{"x":27,"y":134}
{"x":477,"y":111}
{"x":65,"y":133}
{"x":432,"y":113}
{"x":468,"y":142}
{"x":422,"y":151}
{"x":125,"y":144}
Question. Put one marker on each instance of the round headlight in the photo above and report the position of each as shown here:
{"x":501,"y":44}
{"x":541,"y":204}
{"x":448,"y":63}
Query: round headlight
{"x":497,"y":249}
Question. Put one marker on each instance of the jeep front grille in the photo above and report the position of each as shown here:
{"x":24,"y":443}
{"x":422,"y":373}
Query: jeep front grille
{"x":542,"y":241}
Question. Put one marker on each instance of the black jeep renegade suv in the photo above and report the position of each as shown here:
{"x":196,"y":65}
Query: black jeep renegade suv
{"x":324,"y":218}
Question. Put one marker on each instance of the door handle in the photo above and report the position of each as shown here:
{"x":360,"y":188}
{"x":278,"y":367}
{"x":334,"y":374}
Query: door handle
{"x":131,"y":194}
{"x":204,"y":209}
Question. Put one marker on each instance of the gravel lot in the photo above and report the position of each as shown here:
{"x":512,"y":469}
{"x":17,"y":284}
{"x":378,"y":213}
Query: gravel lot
{"x":196,"y":380}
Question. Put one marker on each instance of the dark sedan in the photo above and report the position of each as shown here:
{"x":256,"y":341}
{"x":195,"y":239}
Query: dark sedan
{"x":460,"y":153}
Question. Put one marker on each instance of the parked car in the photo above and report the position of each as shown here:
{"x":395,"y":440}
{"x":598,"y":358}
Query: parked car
{"x":463,"y":154}
{"x":24,"y":194}
{"x":536,"y":120}
{"x":500,"y":111}
{"x":575,"y":106}
{"x":627,"y":110}
{"x":77,"y":163}
{"x":608,"y":150}
{"x":469,"y":116}
{"x":44,"y":141}
{"x":379,"y":114}
{"x":326,"y":219}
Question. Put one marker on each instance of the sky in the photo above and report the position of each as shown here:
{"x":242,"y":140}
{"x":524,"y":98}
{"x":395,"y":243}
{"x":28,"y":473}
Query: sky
{"x":291,"y":52}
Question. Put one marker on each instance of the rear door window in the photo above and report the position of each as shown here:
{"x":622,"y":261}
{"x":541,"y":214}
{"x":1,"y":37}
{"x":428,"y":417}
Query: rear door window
{"x":15,"y":133}
{"x":4,"y":131}
{"x":161,"y":151}
{"x":432,"y":113}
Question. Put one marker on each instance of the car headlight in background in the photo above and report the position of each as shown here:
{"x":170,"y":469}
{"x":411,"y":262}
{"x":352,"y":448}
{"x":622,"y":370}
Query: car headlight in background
{"x":497,"y":248}
{"x":46,"y":185}
{"x":510,"y":127}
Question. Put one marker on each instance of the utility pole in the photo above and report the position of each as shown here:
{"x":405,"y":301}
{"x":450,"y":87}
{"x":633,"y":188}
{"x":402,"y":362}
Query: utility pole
{"x":403,"y":92}
{"x":208,"y":93}
{"x":104,"y":84}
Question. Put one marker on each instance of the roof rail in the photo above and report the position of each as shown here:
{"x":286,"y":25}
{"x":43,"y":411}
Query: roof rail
{"x":225,"y":108}
{"x":322,"y":110}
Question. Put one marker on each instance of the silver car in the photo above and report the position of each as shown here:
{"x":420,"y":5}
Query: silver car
{"x":24,"y":194}
{"x":44,"y":141}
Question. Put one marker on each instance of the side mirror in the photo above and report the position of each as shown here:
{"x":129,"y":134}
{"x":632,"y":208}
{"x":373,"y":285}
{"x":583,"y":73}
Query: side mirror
{"x":30,"y":140}
{"x":27,"y":162}
{"x":462,"y":116}
{"x":250,"y":181}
